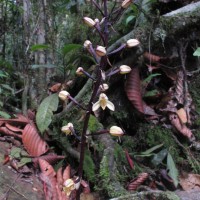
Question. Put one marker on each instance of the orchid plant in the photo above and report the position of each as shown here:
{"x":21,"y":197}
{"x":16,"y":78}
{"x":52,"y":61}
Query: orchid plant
{"x":101,"y":57}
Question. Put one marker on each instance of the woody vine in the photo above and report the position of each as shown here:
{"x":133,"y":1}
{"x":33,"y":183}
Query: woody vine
{"x":101,"y":57}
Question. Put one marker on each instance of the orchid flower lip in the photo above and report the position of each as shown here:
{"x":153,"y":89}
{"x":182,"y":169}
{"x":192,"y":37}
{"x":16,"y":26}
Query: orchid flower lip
{"x":103,"y":102}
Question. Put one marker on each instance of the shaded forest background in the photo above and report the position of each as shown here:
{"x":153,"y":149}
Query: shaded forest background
{"x":43,"y":44}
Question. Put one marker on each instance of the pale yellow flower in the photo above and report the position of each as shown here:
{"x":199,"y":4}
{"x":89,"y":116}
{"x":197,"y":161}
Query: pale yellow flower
{"x":101,"y":51}
{"x":87,"y":43}
{"x":124,"y":69}
{"x":116,"y":131}
{"x":103,"y":102}
{"x":69,"y":186}
{"x":79,"y":71}
{"x":104,"y":87}
{"x":63,"y":95}
{"x":132,"y":43}
{"x":90,"y":22}
{"x":67,"y":129}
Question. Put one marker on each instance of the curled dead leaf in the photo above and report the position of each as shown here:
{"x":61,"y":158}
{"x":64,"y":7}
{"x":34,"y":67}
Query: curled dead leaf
{"x":182,"y":128}
{"x":6,"y":131}
{"x":135,"y":183}
{"x":56,"y":87}
{"x":151,"y":57}
{"x":46,"y":168}
{"x":66,"y":173}
{"x":182,"y":115}
{"x":133,"y":89}
{"x":179,"y":89}
{"x":33,"y":142}
{"x":59,"y":177}
{"x":13,"y":128}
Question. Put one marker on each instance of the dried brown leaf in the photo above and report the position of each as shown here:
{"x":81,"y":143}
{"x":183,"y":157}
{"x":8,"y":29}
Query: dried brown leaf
{"x":19,"y":121}
{"x":179,"y":89}
{"x":46,"y":168}
{"x":151,"y":57}
{"x":86,"y":187}
{"x":50,"y":186}
{"x":66,"y":173}
{"x":182,"y":115}
{"x":133,"y":90}
{"x":33,"y":142}
{"x":59,"y":177}
{"x":6,"y":131}
{"x":190,"y":181}
{"x":148,"y":110}
{"x":182,"y":128}
{"x":50,"y":158}
{"x":56,"y":87}
{"x":135,"y":183}
{"x":13,"y":128}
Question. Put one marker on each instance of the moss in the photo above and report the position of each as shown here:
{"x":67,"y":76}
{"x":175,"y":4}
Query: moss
{"x":107,"y":184}
{"x":154,"y":135}
{"x":121,"y":161}
{"x":94,"y":124}
{"x":89,"y":167}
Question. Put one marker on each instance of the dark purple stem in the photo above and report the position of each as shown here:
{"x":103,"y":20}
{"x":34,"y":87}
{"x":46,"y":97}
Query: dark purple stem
{"x":100,"y":67}
{"x":88,"y":75}
{"x":85,"y":126}
{"x":80,"y":106}
{"x":98,"y":133}
{"x":117,"y":50}
{"x":113,"y":72}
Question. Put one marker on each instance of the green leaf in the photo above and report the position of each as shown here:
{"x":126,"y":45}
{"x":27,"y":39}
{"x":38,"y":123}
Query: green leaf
{"x":5,"y":115}
{"x":24,"y":161}
{"x":173,"y":172}
{"x":197,"y":52}
{"x":15,"y":152}
{"x":150,"y":77}
{"x":151,"y":93}
{"x":7,"y":87}
{"x":43,"y":66}
{"x":159,"y":157}
{"x":70,"y":47}
{"x":38,"y":47}
{"x":3,"y":74}
{"x":45,"y":112}
{"x":149,"y":151}
{"x":130,"y":18}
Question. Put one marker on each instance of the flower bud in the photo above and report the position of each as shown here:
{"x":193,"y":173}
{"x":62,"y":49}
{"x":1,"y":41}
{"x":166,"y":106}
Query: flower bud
{"x":90,"y":22}
{"x":87,"y":43}
{"x":63,"y":95}
{"x":124,"y":69}
{"x":69,"y":186}
{"x":116,"y":131}
{"x":104,"y":87}
{"x":79,"y":71}
{"x":126,"y":3}
{"x":100,"y":51}
{"x":96,"y":21}
{"x":67,"y":129}
{"x":132,"y":43}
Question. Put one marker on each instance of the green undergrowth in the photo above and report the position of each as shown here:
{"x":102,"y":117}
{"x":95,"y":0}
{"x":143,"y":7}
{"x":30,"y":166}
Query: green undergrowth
{"x":152,"y":135}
